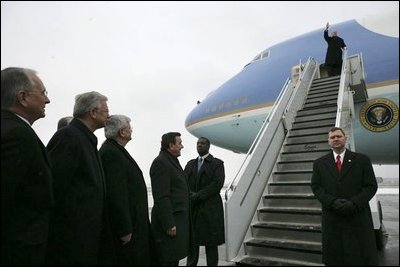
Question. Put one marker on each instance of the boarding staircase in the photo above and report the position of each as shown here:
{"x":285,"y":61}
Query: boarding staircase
{"x":283,"y":226}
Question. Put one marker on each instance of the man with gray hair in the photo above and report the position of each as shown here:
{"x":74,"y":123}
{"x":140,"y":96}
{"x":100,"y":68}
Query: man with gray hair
{"x":64,"y":121}
{"x":79,"y":185}
{"x":126,"y":196}
{"x":26,"y":193}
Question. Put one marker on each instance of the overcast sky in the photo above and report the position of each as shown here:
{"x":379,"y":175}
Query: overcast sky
{"x":154,"y":60}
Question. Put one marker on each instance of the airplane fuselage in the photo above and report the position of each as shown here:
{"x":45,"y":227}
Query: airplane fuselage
{"x":232,"y":115}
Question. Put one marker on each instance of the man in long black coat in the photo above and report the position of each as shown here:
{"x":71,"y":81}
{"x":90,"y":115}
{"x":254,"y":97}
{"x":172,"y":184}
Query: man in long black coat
{"x":126,"y":196}
{"x":344,"y":189}
{"x":26,"y":192}
{"x":170,"y":213}
{"x":333,"y":58}
{"x":206,"y":177}
{"x":79,"y":185}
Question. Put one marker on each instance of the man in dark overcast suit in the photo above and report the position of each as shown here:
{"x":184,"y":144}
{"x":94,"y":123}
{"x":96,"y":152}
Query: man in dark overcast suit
{"x":170,"y":213}
{"x":126,"y":196}
{"x":26,"y":192}
{"x":79,"y":185}
{"x":344,"y":182}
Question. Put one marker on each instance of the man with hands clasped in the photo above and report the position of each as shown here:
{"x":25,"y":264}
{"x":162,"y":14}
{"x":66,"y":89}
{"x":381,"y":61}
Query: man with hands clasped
{"x":344,"y":182}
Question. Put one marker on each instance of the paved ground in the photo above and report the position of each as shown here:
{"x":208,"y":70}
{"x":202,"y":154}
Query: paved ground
{"x":390,"y":208}
{"x":388,"y":257}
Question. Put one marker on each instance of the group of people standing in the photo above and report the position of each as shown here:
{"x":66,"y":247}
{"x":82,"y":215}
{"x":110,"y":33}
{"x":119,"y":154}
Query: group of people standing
{"x":69,"y":203}
{"x":72,"y":204}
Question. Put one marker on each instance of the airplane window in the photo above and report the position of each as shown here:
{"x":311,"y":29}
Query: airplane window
{"x":265,"y":54}
{"x":262,"y":55}
{"x":257,"y":57}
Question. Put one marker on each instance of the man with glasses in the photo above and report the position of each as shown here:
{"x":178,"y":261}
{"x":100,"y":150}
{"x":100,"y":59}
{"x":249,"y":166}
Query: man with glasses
{"x":26,"y":192}
{"x":79,"y":185}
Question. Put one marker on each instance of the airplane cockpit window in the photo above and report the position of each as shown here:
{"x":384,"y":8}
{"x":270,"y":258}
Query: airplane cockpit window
{"x":262,"y":55}
{"x":257,"y":57}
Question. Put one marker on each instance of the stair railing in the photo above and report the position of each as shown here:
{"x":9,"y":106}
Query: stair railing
{"x":345,"y":102}
{"x":245,"y":191}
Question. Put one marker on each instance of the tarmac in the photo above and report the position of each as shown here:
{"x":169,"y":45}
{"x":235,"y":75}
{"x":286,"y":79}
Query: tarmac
{"x":389,"y":198}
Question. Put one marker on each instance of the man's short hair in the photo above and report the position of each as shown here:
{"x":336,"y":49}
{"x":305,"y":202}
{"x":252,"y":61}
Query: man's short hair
{"x":64,"y":121}
{"x":205,"y":139}
{"x":13,"y":80}
{"x":168,"y":138}
{"x":337,"y":129}
{"x":86,"y":102}
{"x":114,"y":123}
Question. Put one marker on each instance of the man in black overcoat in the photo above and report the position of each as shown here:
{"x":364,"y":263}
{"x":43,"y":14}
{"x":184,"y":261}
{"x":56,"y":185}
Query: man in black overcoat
{"x":333,"y":58}
{"x":26,"y":192}
{"x":79,"y":185}
{"x":344,"y":182}
{"x":170,"y":213}
{"x":206,"y":177}
{"x":126,"y":196}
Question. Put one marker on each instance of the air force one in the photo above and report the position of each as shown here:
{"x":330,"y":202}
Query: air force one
{"x":232,"y":115}
{"x":278,"y":110}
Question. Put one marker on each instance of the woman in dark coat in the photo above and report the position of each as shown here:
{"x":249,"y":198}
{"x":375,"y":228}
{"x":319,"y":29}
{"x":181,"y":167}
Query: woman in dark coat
{"x":126,"y":196}
{"x":207,"y":214}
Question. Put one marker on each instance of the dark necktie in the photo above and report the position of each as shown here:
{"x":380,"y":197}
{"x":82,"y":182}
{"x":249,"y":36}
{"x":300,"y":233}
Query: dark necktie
{"x":338,"y":163}
{"x":199,"y":163}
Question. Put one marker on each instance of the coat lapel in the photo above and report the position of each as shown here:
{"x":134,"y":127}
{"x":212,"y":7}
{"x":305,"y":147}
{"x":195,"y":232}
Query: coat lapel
{"x":331,"y":165}
{"x":348,"y":162}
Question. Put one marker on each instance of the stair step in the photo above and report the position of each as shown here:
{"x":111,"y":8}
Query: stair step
{"x":324,"y":119}
{"x":271,"y":261}
{"x":310,"y":138}
{"x":316,"y":111}
{"x":304,"y":155}
{"x":295,"y":165}
{"x":290,"y":249}
{"x":323,"y":88}
{"x":291,"y":176}
{"x":290,"y":226}
{"x":282,"y":201}
{"x":302,"y":147}
{"x":300,"y":187}
{"x":323,"y":128}
{"x":321,"y":103}
{"x":310,"y":247}
{"x":291,"y":231}
{"x":320,"y":100}
{"x":323,"y":93}
{"x":291,"y":210}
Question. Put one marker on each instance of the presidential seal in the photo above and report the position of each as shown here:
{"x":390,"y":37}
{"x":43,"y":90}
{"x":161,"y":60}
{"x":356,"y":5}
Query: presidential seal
{"x":379,"y":115}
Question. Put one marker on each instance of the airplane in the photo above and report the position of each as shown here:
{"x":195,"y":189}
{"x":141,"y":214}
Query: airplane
{"x":232,"y":115}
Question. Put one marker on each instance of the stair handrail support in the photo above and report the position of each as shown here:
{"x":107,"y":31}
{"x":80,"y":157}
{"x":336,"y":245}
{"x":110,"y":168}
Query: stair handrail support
{"x":232,"y":185}
{"x":246,"y":195}
{"x":345,"y":102}
{"x":299,"y":96}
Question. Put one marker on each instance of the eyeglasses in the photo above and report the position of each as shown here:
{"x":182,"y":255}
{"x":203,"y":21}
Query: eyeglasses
{"x":43,"y":93}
